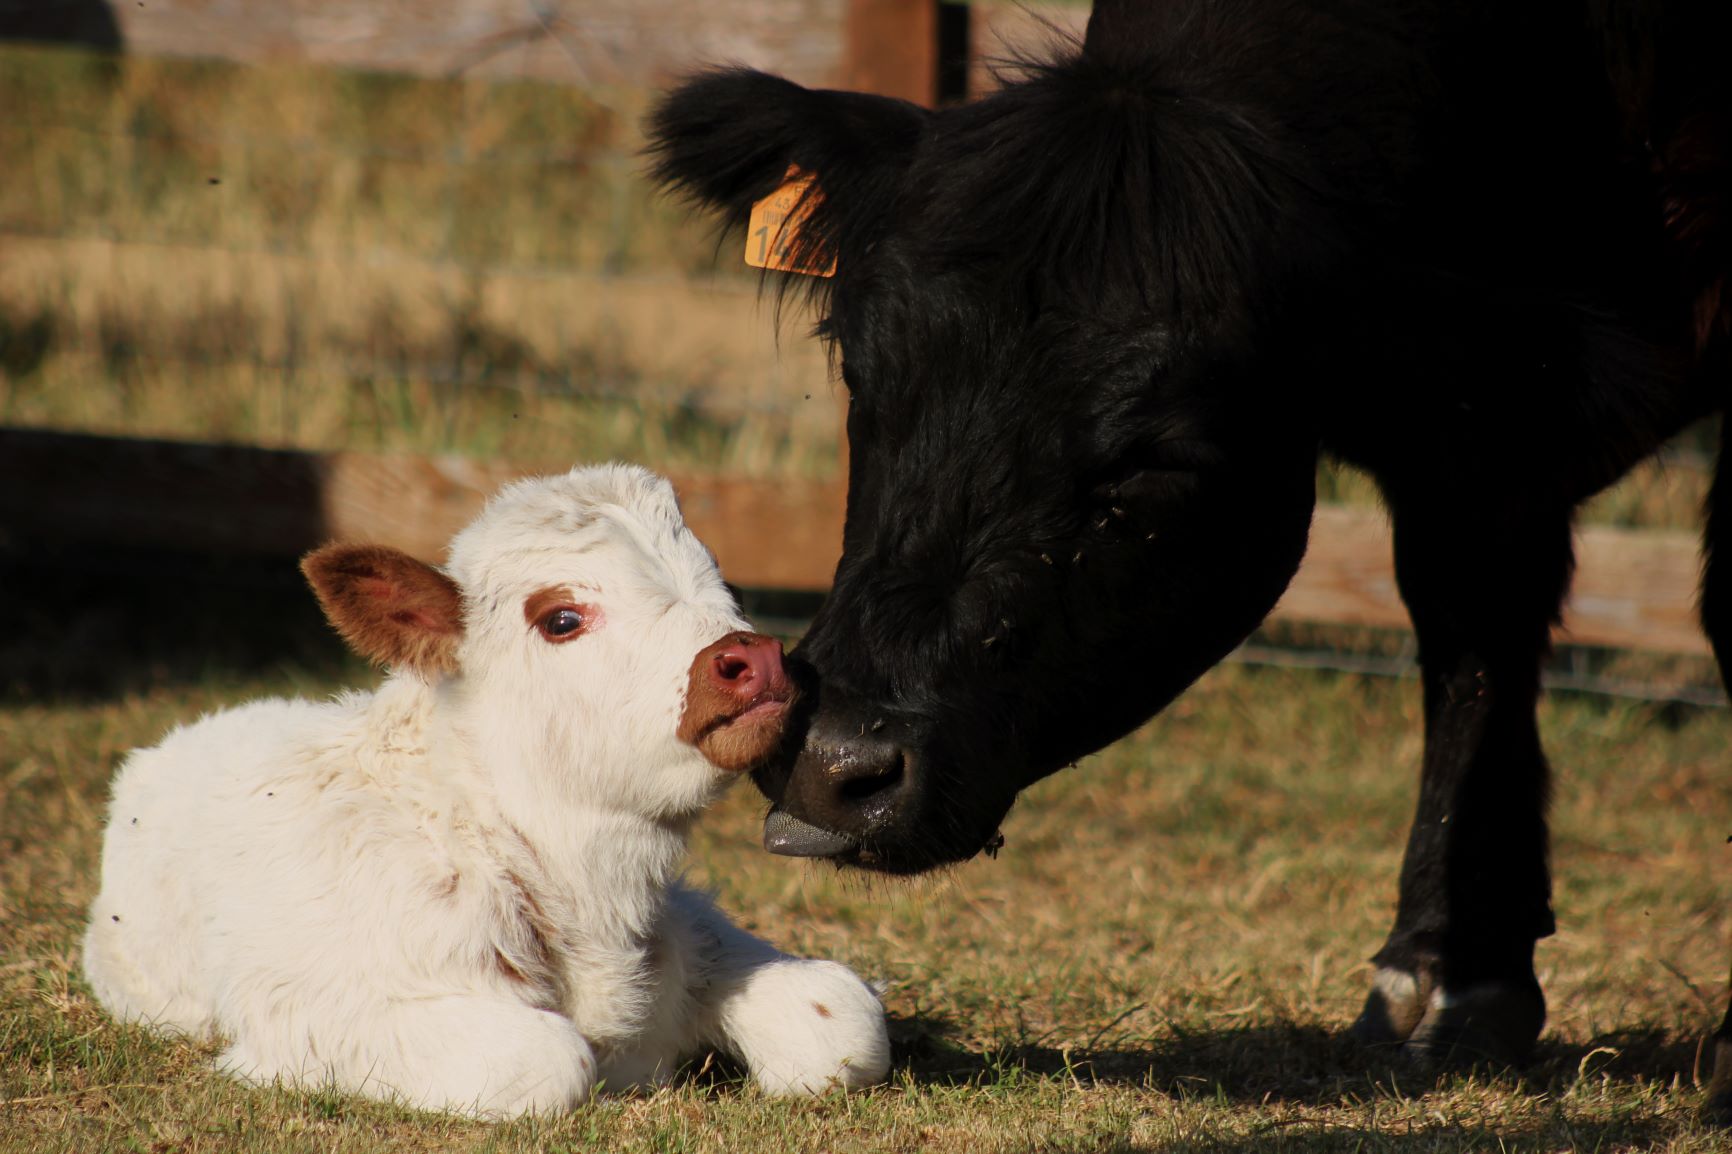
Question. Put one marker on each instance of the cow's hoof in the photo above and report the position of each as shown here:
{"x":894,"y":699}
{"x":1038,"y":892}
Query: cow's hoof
{"x":1717,"y":1110}
{"x":1493,"y":1023}
{"x":1393,"y":1009}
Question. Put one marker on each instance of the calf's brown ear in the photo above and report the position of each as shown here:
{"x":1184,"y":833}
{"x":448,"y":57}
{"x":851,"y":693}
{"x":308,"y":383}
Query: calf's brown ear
{"x":389,"y":607}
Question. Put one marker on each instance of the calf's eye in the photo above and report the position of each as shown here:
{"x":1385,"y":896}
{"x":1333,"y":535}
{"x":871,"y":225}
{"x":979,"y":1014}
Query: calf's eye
{"x":561,"y":624}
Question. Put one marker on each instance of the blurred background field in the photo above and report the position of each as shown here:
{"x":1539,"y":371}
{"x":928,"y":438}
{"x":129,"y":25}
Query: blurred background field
{"x":307,"y":257}
{"x":312,"y":258}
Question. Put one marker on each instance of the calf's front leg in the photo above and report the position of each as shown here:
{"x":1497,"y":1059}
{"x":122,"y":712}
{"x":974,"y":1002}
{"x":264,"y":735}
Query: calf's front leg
{"x":1456,"y":977}
{"x":801,"y":1026}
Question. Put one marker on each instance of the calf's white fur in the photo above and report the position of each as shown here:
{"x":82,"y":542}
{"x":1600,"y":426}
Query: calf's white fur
{"x":461,"y":891}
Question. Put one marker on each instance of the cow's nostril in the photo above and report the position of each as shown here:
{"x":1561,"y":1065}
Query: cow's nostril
{"x":873,"y":780}
{"x":849,"y":788}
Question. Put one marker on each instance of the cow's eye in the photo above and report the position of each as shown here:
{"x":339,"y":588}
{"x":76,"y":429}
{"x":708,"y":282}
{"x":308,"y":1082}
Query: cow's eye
{"x":561,"y":624}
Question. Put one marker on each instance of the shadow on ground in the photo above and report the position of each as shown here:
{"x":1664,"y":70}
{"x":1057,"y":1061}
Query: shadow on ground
{"x":1623,"y":1134}
{"x":1300,"y":1064}
{"x":1306,"y":1066}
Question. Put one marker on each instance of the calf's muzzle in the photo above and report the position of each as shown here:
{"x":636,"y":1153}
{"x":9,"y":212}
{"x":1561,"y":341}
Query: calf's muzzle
{"x":737,"y":701}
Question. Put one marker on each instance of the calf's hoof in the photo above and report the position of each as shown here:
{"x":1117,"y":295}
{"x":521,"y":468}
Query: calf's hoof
{"x":1492,"y":1023}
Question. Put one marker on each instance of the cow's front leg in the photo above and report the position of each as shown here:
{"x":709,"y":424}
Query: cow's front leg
{"x":1717,"y":623}
{"x":1456,"y":977}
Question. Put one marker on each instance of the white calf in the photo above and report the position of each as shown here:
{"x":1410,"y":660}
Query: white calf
{"x":460,"y":891}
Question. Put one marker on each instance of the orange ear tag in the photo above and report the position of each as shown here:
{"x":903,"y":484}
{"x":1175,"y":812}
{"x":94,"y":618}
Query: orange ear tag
{"x":773,"y":232}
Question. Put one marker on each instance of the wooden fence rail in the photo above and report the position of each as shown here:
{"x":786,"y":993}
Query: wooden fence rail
{"x":1633,"y":589}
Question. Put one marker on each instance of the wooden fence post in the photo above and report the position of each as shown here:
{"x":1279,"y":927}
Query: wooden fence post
{"x":891,"y":48}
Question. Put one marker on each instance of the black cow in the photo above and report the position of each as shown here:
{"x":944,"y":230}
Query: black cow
{"x":1097,"y":327}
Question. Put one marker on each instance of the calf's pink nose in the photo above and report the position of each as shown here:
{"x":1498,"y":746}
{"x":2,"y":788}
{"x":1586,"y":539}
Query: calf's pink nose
{"x":744,"y":665}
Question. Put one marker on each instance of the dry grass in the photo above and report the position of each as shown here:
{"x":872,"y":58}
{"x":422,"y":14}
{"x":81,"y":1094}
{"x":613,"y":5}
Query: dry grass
{"x":1163,"y":957}
{"x":320,"y":259}
{"x":321,"y":352}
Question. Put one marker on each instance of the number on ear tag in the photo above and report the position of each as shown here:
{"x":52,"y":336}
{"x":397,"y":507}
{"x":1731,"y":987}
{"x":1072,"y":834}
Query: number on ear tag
{"x":773,"y":232}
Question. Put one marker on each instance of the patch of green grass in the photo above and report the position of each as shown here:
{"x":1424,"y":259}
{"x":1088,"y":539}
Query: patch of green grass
{"x":1163,"y":957}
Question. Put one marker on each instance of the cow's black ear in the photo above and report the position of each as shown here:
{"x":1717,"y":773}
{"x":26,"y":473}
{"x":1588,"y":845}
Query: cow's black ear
{"x":727,"y":138}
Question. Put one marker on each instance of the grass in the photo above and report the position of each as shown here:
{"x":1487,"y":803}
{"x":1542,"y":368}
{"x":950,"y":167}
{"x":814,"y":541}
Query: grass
{"x":326,"y":259}
{"x":1163,"y":957}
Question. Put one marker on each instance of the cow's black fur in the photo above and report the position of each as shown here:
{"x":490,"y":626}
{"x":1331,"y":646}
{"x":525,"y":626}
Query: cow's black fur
{"x":1097,"y":327}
